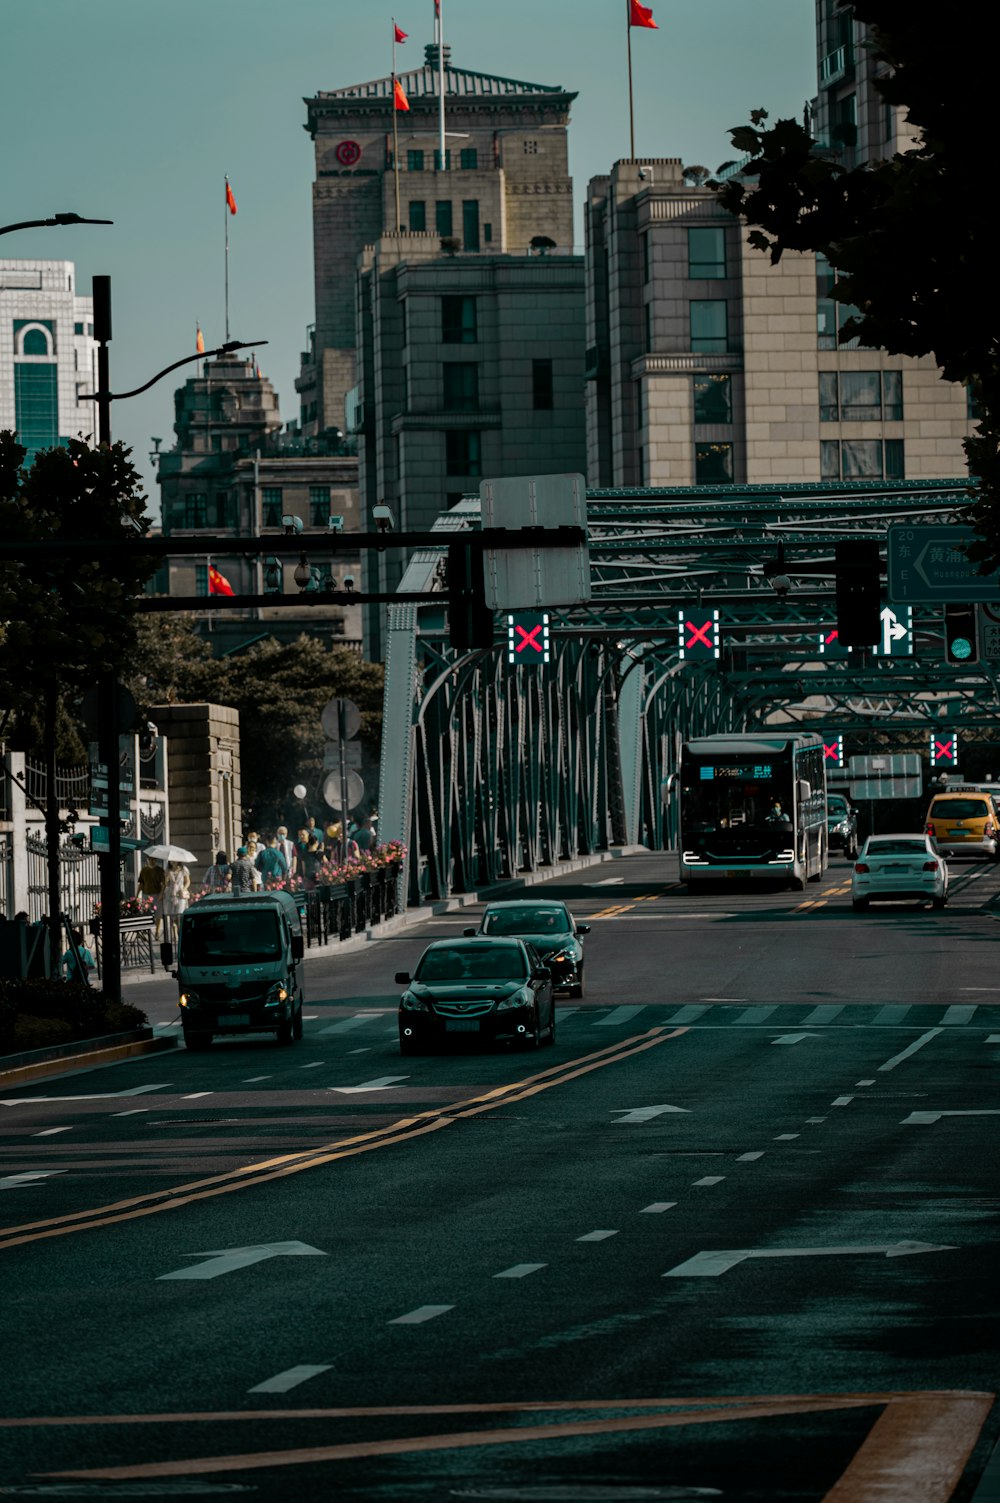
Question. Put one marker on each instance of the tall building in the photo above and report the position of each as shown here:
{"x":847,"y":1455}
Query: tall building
{"x":503,"y":185}
{"x":849,"y":115}
{"x":48,"y":357}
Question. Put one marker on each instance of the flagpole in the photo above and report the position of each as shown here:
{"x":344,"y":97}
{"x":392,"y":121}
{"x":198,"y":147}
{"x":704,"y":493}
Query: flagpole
{"x":395,"y":164}
{"x":225,"y":212}
{"x":631,"y":103}
{"x":440,"y":38}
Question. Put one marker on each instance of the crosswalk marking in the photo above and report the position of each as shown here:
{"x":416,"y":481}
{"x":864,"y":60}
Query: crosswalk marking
{"x":891,"y":1014}
{"x":619,"y":1015}
{"x":959,"y":1014}
{"x":823,"y":1014}
{"x":686,"y":1014}
{"x":755,"y":1015}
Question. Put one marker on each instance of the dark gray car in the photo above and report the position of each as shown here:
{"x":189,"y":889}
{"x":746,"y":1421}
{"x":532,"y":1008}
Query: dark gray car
{"x":476,"y":988}
{"x":548,"y":926}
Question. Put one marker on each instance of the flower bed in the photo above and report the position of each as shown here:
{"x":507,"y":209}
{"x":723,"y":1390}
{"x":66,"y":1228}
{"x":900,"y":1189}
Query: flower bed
{"x":132,"y":908}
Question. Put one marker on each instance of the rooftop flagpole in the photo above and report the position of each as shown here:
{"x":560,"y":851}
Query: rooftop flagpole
{"x":439,"y":23}
{"x":631,"y":99}
{"x":229,"y":207}
{"x":395,"y":165}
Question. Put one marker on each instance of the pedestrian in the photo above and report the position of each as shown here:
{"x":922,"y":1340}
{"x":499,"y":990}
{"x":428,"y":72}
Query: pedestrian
{"x":175,"y":898}
{"x":78,"y":961}
{"x":253,"y":844}
{"x":363,"y":834}
{"x":217,"y":877}
{"x":286,"y":847}
{"x":311,"y":862}
{"x":243,"y":874}
{"x":271,"y":862}
{"x":150,"y":885}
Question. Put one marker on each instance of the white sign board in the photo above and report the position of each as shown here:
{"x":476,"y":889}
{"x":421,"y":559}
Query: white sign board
{"x":535,"y":578}
{"x":888,"y":776}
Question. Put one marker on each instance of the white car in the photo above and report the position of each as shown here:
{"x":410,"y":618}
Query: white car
{"x":899,"y":866}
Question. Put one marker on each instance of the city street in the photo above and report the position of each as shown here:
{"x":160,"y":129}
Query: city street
{"x":733,"y":1236}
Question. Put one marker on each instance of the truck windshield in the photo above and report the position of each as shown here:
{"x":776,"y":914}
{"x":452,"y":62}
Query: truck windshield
{"x":229,"y":937}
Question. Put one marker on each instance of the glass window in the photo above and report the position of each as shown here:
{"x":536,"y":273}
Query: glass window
{"x":470,"y":224}
{"x":707,"y":253}
{"x":461,"y":386}
{"x":973,"y":411}
{"x":542,"y":385}
{"x":458,"y":320}
{"x":829,"y":405}
{"x":414,"y":161}
{"x":443,"y":217}
{"x":35,"y":342}
{"x":829,"y":459}
{"x":463,"y":453}
{"x":488,"y":233}
{"x":647,"y":313}
{"x":319,"y":505}
{"x":270,"y":500}
{"x":892,"y":396}
{"x":709,"y":326}
{"x":713,"y":464}
{"x":36,"y":406}
{"x":469,"y":158}
{"x":418,"y":215}
{"x":224,"y":510}
{"x":201,"y":579}
{"x":861,"y":459}
{"x":196,"y":510}
{"x":447,"y":161}
{"x":713,"y":399}
{"x":647,"y":258}
{"x":860,"y":396}
{"x":895,"y":468}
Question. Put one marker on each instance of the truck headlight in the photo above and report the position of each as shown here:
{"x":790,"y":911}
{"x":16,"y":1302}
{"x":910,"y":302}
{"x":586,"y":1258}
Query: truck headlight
{"x":189,"y":999}
{"x":276,"y":994}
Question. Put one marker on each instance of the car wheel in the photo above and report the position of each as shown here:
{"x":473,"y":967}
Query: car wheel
{"x":285,"y":1034}
{"x":297,"y":1024}
{"x":552,"y":1024}
{"x":533,"y":1037}
{"x":939,"y":902}
{"x":860,"y":905}
{"x":577,"y":990}
{"x":197,"y":1041}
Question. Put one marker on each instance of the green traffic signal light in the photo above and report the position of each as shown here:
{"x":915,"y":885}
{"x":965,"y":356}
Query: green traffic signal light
{"x":961,"y":639}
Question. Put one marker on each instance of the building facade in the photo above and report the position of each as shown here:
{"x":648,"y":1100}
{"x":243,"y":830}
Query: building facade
{"x":234,"y":473}
{"x":48,"y":355}
{"x":503,"y":185}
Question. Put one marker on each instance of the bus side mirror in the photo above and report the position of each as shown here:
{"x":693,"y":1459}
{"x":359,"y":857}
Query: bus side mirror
{"x":804,"y":790}
{"x":298,"y":947}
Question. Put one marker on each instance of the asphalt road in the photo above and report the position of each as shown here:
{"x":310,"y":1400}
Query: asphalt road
{"x":734,"y":1236}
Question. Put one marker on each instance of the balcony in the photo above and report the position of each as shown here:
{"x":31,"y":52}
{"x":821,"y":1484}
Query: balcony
{"x":836,"y":66}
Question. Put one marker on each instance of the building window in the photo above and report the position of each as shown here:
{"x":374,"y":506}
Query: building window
{"x":488,"y":233}
{"x":196,"y":510}
{"x":447,"y":161}
{"x":542,"y":385}
{"x":642,"y":465}
{"x":713,"y":464}
{"x":647,"y":314}
{"x":36,"y":407}
{"x":713,"y":399}
{"x":418,"y":215}
{"x":458,"y":320}
{"x":862,"y":459}
{"x":860,"y":396}
{"x":707,"y":254}
{"x":973,"y":411}
{"x":461,"y":386}
{"x":319,"y":505}
{"x":414,"y":161}
{"x":647,"y":258}
{"x":831,"y":316}
{"x":463,"y":453}
{"x":270,"y":498}
{"x":224,"y":510}
{"x":443,"y":217}
{"x":845,"y":122}
{"x":35,"y":342}
{"x":470,"y":224}
{"x":201,"y":579}
{"x":469,"y":158}
{"x":709,"y":326}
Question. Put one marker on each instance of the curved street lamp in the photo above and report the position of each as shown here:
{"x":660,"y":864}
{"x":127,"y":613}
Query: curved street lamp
{"x":44,"y":224}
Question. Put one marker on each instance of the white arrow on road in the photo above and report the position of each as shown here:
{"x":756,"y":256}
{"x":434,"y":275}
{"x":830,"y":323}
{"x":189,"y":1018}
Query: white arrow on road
{"x":139,"y":1090}
{"x":383,"y":1083}
{"x":794,"y":1038}
{"x":28,"y":1177}
{"x":644,"y":1113}
{"x":708,"y":1265}
{"x":227,"y":1259}
{"x":924,"y":1119}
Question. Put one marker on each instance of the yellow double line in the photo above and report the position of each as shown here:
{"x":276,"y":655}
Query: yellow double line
{"x":814,"y":903}
{"x":613,"y":912}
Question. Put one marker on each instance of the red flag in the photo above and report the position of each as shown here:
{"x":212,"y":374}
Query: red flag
{"x":218,"y":584}
{"x":437,"y":8}
{"x":399,"y":99}
{"x":398,"y":32}
{"x":230,"y":200}
{"x":199,"y":341}
{"x":641,"y":15}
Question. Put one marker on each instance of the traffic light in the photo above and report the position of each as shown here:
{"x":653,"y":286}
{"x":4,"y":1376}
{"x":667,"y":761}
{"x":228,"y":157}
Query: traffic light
{"x":961,"y":638}
{"x":470,"y":620}
{"x":858,"y":593}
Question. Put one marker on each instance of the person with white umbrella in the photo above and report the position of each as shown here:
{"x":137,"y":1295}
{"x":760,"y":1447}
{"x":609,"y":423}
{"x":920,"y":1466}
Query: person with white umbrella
{"x":176,"y":896}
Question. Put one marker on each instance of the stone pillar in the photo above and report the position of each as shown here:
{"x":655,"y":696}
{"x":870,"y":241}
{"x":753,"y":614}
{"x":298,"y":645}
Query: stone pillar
{"x":203,"y":779}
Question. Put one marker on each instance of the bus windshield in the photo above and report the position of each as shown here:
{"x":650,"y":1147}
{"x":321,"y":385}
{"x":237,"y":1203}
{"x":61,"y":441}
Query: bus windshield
{"x":735,"y":795}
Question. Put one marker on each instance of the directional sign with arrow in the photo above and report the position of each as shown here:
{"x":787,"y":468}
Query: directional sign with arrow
{"x":709,"y":1265}
{"x":897,"y":631}
{"x":228,"y":1259}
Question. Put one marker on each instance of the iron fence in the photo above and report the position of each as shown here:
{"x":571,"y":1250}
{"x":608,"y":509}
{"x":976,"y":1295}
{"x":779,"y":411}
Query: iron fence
{"x":79,"y":881}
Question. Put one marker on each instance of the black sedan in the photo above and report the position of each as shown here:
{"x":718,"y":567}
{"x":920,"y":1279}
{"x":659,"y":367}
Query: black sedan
{"x":476,"y":989}
{"x":550,"y":928}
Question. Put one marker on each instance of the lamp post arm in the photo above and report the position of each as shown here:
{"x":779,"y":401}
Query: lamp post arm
{"x":223,"y":349}
{"x":44,"y":224}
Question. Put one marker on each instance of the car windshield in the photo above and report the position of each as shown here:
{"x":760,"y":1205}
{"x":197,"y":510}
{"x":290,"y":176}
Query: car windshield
{"x":959,"y":808}
{"x":471,"y":963}
{"x":229,"y":937}
{"x":836,"y":805}
{"x":538,"y":921}
{"x":897,"y":847}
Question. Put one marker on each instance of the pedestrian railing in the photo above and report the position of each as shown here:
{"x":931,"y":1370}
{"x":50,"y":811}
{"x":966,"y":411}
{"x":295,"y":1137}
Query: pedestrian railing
{"x":333,"y":912}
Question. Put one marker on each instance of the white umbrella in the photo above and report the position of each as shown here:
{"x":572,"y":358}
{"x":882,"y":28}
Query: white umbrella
{"x":170,"y":853}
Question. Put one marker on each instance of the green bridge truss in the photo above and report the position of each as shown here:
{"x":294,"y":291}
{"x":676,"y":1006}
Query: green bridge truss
{"x":490,"y":769}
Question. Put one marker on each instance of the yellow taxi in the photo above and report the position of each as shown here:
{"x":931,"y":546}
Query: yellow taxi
{"x":964,"y":820}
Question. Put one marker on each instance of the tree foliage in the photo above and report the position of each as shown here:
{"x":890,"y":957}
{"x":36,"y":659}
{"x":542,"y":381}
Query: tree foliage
{"x":912,"y":238}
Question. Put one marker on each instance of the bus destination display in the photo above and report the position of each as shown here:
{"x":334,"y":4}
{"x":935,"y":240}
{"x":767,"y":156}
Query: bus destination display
{"x":749,"y":772}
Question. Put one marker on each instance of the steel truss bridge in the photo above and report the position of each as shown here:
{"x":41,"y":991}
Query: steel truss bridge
{"x":491,"y":769}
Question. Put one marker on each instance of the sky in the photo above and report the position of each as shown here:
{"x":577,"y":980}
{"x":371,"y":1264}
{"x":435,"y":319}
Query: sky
{"x":134,"y":110}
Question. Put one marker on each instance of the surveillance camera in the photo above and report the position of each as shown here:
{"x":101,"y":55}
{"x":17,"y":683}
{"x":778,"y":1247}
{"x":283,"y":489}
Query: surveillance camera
{"x":383,"y":518}
{"x":643,"y":174}
{"x":780,"y":584}
{"x":291,"y":524}
{"x":335,"y":524}
{"x":348,"y":582}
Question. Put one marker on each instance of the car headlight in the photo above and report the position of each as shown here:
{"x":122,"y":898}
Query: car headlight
{"x":516,"y":999}
{"x":189,"y":999}
{"x":277,"y":993}
{"x":409,"y":1003}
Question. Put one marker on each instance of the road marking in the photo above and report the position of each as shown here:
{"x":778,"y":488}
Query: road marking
{"x":253,"y":1079}
{"x":196,"y":1095}
{"x":686,"y":1015}
{"x":135,"y":1111}
{"x":645,"y":1113}
{"x":596,"y":1236}
{"x":897,"y":1059}
{"x":747,"y":1158}
{"x":657,"y":1207}
{"x":48,"y":1132}
{"x":890,"y":1015}
{"x":366,"y":1050}
{"x":347,"y":1023}
{"x":733,"y":999}
{"x":793,"y":1038}
{"x":815,"y":1119}
{"x":28,"y":1177}
{"x":97,"y":1096}
{"x":979,"y":988}
{"x":309,"y":1017}
{"x":709,"y":1265}
{"x":957,"y":1015}
{"x":785,"y":1137}
{"x":606,"y":882}
{"x":758,"y":1014}
{"x":383,"y":1083}
{"x":709,"y":1179}
{"x":518,"y":1271}
{"x":420,"y":1314}
{"x":924,"y":1119}
{"x":993,"y":1038}
{"x":228,"y":1259}
{"x":864,"y":1082}
{"x":290,"y":1378}
{"x":824,"y":1014}
{"x":619,"y":1015}
{"x":317,"y":1064}
{"x":842,"y":1101}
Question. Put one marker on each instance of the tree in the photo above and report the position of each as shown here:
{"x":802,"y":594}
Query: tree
{"x":912,"y":238}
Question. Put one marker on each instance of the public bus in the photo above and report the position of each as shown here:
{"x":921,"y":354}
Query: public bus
{"x":753,"y":806}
